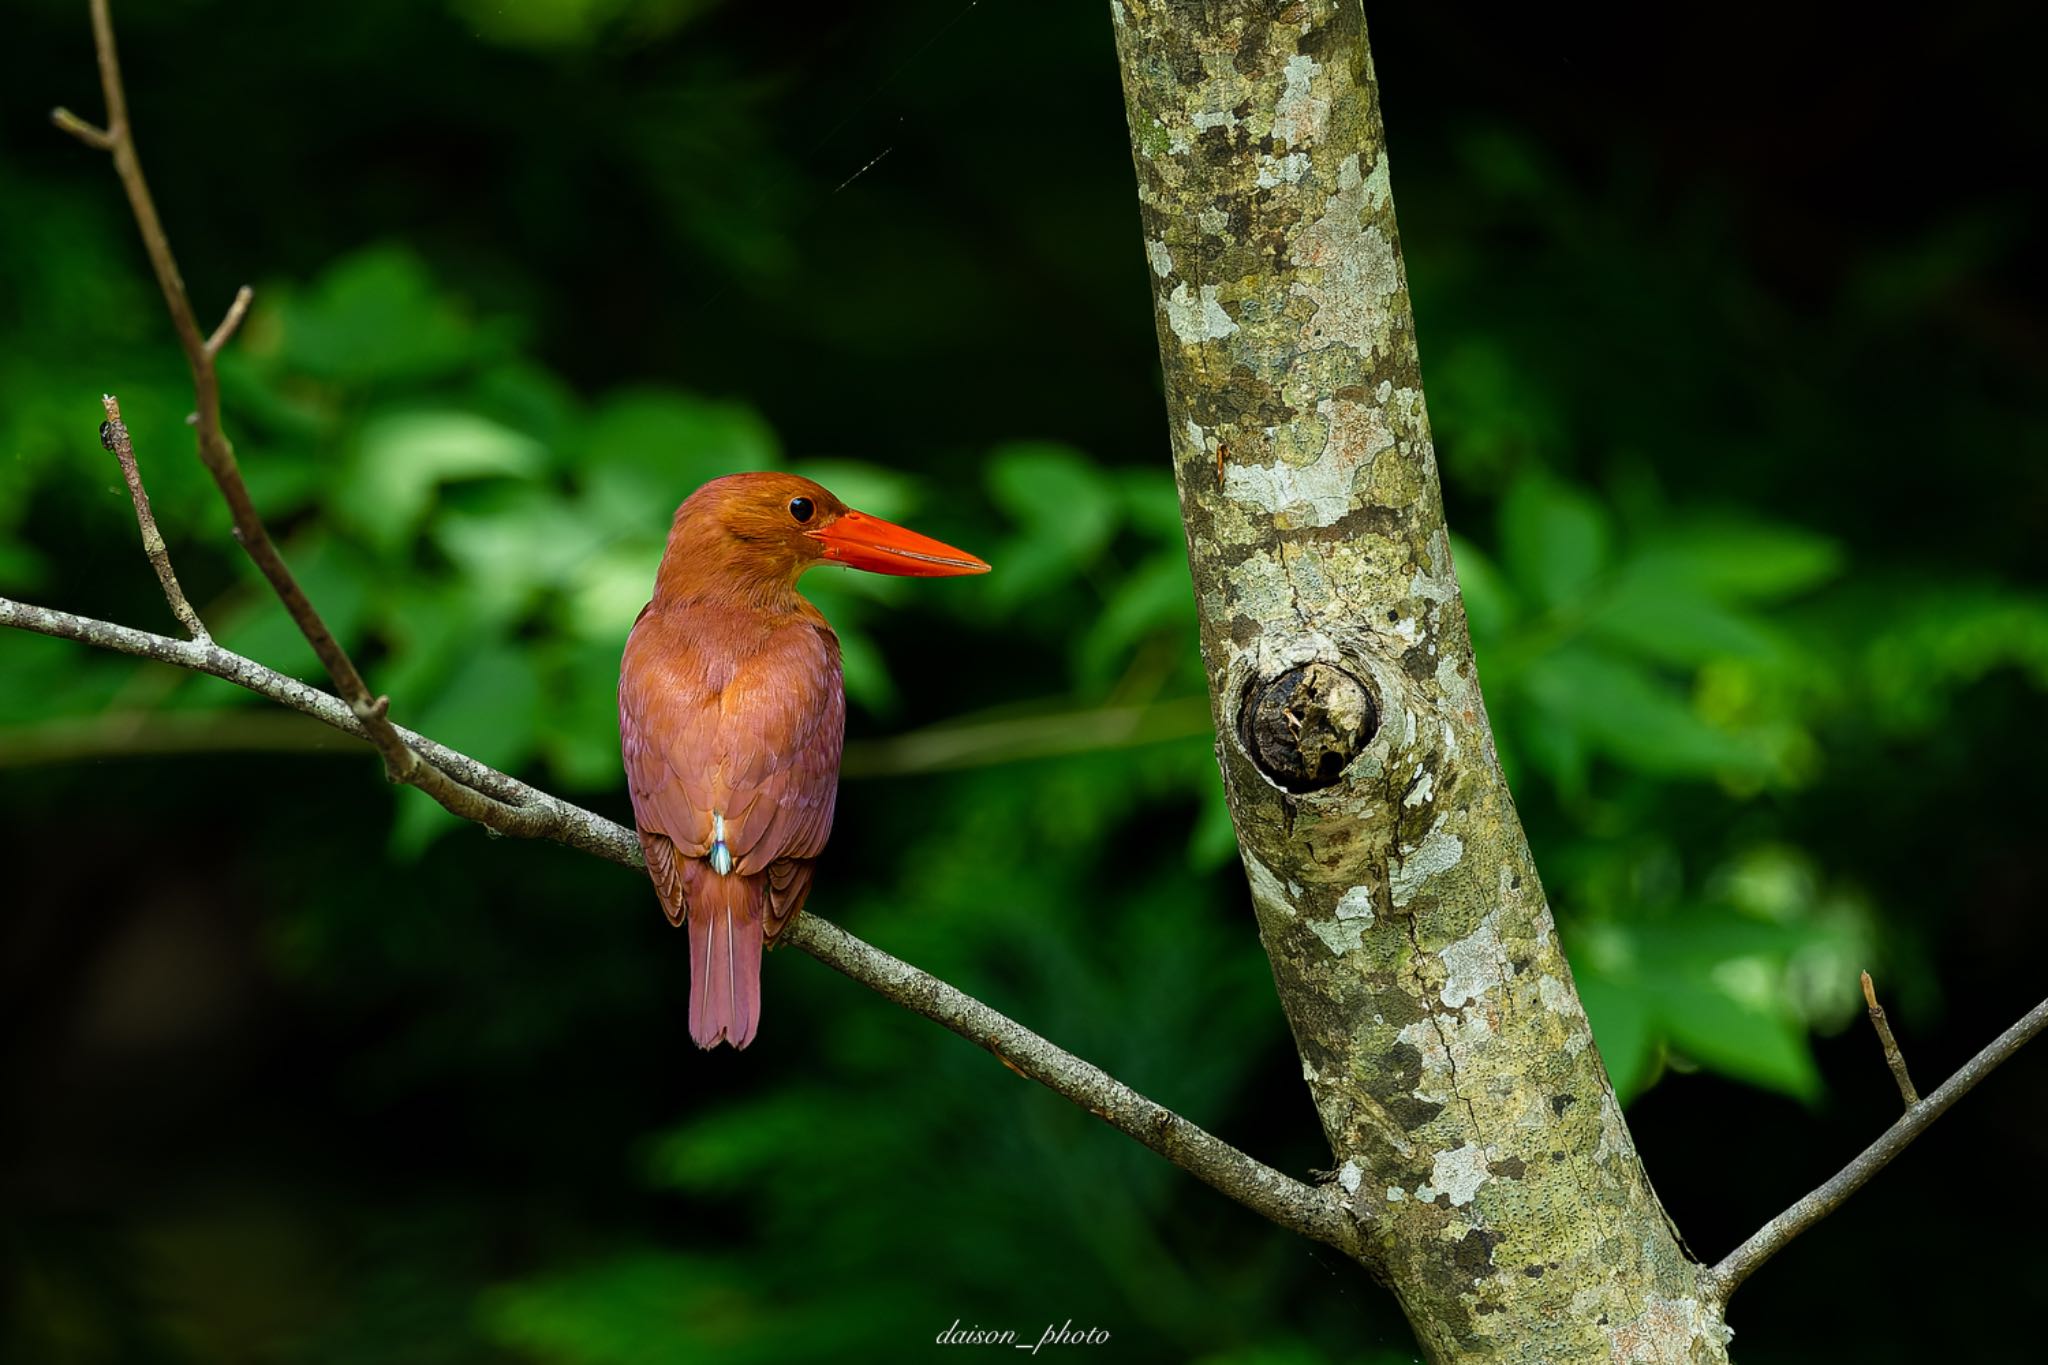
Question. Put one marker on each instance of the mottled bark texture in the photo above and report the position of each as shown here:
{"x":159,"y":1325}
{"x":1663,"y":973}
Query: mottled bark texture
{"x":1474,"y":1131}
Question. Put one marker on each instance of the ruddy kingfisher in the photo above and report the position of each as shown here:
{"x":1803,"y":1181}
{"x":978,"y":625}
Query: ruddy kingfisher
{"x":732,"y":715}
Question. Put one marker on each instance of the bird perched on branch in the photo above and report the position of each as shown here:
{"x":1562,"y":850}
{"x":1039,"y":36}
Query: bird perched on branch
{"x":732,"y":714}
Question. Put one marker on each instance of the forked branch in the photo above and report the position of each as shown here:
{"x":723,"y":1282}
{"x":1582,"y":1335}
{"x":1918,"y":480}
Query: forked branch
{"x":215,"y":451}
{"x":1772,"y":1237}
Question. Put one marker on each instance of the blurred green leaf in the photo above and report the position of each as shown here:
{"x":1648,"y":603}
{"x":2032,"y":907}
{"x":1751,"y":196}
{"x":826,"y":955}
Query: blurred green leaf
{"x":1625,"y":712}
{"x":1725,"y":1024}
{"x":1667,"y":621}
{"x":1065,"y":509}
{"x":402,"y":458}
{"x":375,"y":315}
{"x":1554,"y":539}
{"x":1739,"y":561}
{"x":1156,"y":597}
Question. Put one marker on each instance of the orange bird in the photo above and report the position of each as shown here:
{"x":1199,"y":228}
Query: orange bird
{"x":732,"y":714}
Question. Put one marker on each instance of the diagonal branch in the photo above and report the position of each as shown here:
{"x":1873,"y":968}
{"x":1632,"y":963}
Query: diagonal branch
{"x":1772,"y":1237}
{"x":1314,"y":1211}
{"x":215,"y":451}
{"x":114,"y":436}
{"x":510,"y":806}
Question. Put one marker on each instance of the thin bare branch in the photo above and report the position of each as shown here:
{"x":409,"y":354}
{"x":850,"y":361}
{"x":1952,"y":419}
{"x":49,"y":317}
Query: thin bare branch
{"x":509,"y":806}
{"x":470,"y":789}
{"x":91,"y":134}
{"x":237,"y":310}
{"x":215,"y":451}
{"x":1893,"y":1058}
{"x":1772,"y":1237}
{"x":1311,"y":1210}
{"x":114,"y":436}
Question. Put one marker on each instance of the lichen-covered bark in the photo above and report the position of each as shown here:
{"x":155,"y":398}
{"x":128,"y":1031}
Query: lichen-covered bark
{"x":1473,"y":1126}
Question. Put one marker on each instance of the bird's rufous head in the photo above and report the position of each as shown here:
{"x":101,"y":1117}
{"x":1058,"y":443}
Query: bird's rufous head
{"x":774,"y":526}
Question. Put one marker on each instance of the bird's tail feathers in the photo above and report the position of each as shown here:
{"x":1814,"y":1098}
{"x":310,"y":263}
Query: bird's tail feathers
{"x":726,"y":941}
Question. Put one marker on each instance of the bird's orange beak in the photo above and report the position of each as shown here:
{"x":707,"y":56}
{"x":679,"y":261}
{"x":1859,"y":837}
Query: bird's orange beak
{"x":864,"y":542}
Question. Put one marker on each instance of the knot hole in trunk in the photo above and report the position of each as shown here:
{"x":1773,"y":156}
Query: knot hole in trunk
{"x":1305,"y":726}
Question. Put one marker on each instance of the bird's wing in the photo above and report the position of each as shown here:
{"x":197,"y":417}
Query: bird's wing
{"x":737,"y":727}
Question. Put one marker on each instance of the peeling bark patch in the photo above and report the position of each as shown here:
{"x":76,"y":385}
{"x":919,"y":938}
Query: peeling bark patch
{"x":1340,"y":936}
{"x":1666,"y":1332}
{"x":1439,"y":851}
{"x":1197,"y":318}
{"x":1159,"y":257}
{"x":1459,"y":1174}
{"x":1353,"y":917}
{"x":1473,"y":964}
{"x":1301,"y":116}
{"x":1306,"y":495}
{"x":1356,"y":904}
{"x":1350,"y":274}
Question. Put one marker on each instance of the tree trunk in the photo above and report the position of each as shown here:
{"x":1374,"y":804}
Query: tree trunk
{"x":1473,"y":1128}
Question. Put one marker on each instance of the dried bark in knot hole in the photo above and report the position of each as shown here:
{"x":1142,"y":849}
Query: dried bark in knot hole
{"x":1304,"y":727}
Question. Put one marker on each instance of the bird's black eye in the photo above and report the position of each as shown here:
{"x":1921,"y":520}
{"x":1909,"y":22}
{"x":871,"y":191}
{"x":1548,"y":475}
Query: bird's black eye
{"x":801,"y":508}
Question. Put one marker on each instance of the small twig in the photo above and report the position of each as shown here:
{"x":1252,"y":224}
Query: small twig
{"x":114,"y":436}
{"x":505,"y":804}
{"x":91,"y":134}
{"x":1893,"y":1058}
{"x":215,"y":451}
{"x":237,"y":310}
{"x":1722,"y":1280}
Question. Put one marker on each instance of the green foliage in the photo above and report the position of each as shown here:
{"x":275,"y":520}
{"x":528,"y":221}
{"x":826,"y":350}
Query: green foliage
{"x":1725,"y":705}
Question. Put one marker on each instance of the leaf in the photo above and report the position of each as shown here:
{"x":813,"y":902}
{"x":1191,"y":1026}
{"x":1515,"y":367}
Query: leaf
{"x":607,"y":591}
{"x":1151,"y":506}
{"x":635,"y":1308}
{"x":402,"y":458}
{"x":1554,"y":539}
{"x":1633,"y":717}
{"x":488,"y":708}
{"x":579,"y":722}
{"x":511,"y":546}
{"x":1213,"y":841}
{"x":1746,"y":1038}
{"x":727,"y":1146}
{"x":868,"y":682}
{"x":1740,"y":560}
{"x":376,"y":315}
{"x":1157,"y":597}
{"x":1665,"y":620}
{"x":1065,"y":509}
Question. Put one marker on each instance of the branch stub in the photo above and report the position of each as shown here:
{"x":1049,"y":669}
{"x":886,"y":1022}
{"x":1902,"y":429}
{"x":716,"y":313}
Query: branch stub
{"x":1303,"y":728}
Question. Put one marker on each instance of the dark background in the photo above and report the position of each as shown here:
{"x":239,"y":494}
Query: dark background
{"x":296,"y":1071}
